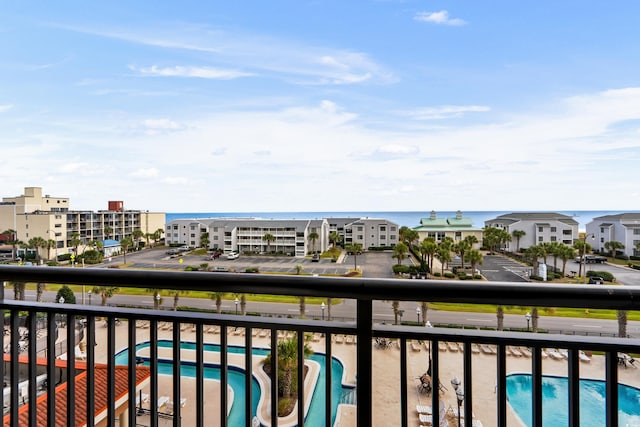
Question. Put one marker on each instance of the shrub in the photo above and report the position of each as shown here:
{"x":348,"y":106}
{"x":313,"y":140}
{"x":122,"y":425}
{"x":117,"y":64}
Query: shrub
{"x":190,"y":268}
{"x":535,"y":277}
{"x":397,"y":269}
{"x":252,"y":270}
{"x":634,"y":258}
{"x":608,"y":277}
{"x":92,"y":257}
{"x":437,"y":274}
{"x":449,"y":275}
{"x":66,"y":293}
{"x":477,"y":276}
{"x":64,"y":257}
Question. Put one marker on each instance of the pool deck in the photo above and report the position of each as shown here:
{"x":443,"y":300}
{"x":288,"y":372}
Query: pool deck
{"x":386,"y":377}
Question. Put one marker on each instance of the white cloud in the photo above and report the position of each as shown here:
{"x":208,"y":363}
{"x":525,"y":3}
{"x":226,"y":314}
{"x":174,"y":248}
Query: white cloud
{"x":195,"y":72}
{"x":446,"y":111}
{"x":145,"y":173}
{"x":441,"y":17}
{"x":6,"y":107}
{"x":74,"y":167}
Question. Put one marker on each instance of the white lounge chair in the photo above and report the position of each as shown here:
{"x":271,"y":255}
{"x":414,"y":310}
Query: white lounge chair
{"x":415,"y":346}
{"x":162,"y":401}
{"x":144,"y":396}
{"x":424,"y":409}
{"x":583,"y":357}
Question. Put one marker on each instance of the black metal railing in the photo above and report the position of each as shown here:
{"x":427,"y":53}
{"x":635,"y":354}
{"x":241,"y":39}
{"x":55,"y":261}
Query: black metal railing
{"x":25,"y":367}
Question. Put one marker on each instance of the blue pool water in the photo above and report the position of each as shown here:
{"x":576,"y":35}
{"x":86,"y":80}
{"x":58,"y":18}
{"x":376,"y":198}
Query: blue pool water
{"x":315,"y":415}
{"x":555,"y":401}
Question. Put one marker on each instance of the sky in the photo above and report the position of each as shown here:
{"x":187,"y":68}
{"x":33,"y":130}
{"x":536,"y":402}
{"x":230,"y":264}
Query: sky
{"x":322,"y":105}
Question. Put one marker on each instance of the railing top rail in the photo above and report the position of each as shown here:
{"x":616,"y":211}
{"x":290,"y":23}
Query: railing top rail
{"x":502,"y":293}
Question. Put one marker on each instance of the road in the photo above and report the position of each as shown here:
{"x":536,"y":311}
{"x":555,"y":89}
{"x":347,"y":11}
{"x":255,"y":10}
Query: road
{"x":374,"y":264}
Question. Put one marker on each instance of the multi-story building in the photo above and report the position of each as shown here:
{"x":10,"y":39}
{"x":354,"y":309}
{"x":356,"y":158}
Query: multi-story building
{"x":623,"y":228}
{"x":457,"y":228}
{"x":34,"y":215}
{"x":290,"y":236}
{"x":538,"y":227}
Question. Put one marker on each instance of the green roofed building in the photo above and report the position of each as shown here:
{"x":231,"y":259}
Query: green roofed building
{"x":456,"y":228}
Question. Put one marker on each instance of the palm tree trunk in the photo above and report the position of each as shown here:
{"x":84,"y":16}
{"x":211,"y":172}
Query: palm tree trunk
{"x":243,"y":304}
{"x":39,"y":291}
{"x":425,"y":307}
{"x":176,"y":297}
{"x":622,"y":323}
{"x":396,"y":306}
{"x":219,"y":304}
{"x":534,"y":319}
{"x":328,"y":308}
{"x":303,"y":307}
{"x":500,"y":316}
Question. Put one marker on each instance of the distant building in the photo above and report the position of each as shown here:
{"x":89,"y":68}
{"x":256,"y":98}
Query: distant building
{"x":539,"y":227}
{"x":34,"y":215}
{"x":457,"y":228}
{"x":291,"y":236}
{"x":623,"y":228}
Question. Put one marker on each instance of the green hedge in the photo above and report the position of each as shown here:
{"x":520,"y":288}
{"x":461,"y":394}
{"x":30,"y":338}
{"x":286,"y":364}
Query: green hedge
{"x":608,"y":277}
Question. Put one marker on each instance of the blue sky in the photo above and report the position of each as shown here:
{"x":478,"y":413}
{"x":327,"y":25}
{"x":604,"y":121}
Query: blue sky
{"x":292,"y":105}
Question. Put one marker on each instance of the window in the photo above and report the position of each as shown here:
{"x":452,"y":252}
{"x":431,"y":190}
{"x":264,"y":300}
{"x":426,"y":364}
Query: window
{"x":540,"y":229}
{"x":382,"y":237}
{"x":193,"y":235}
{"x":359,"y":228}
{"x":601,"y":229}
{"x":553,"y":229}
{"x":636,"y":231}
{"x":373,"y":236}
{"x":392,"y":237}
{"x":360,"y":236}
{"x":383,"y":228}
{"x":393,"y":229}
{"x":215,"y":229}
{"x":553,"y":238}
{"x":539,"y":238}
{"x":215,"y":237}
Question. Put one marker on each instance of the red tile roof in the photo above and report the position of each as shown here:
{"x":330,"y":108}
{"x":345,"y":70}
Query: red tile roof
{"x":80,"y":405}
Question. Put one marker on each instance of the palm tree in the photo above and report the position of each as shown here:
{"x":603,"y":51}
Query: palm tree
{"x":427,"y":248}
{"x":329,"y":303}
{"x":354,"y":248}
{"x":268,"y":237}
{"x":75,"y":242}
{"x":105,"y":292}
{"x":396,"y":311}
{"x":534,"y":319}
{"x":108,"y":231}
{"x":176,"y":296}
{"x":303,"y":306}
{"x":157,"y":299}
{"x":50,"y":244}
{"x":461,"y":248}
{"x":444,"y":256}
{"x":500,"y":316}
{"x":137,"y":235}
{"x":334,"y":238}
{"x":204,"y":240}
{"x":126,"y":243}
{"x":534,"y":253}
{"x":13,"y":241}
{"x":566,"y":254}
{"x":313,"y":236}
{"x":40,"y":288}
{"x":217,"y":297}
{"x":518,"y":234}
{"x":613,"y":247}
{"x":622,"y":323}
{"x":37,"y":243}
{"x":287,"y":363}
{"x":18,"y":290}
{"x":424,"y":308}
{"x":399,"y":251}
{"x":474,"y":257}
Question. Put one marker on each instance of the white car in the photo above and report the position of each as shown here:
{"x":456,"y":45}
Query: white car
{"x":233,"y":255}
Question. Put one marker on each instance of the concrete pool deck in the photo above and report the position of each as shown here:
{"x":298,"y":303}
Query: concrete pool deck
{"x":386,"y":376}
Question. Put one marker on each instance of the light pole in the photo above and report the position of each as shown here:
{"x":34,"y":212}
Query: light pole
{"x":401,"y":312}
{"x":61,"y":299}
{"x":528,"y":317}
{"x":455,"y":383}
{"x":89,"y":293}
{"x":157,"y":301}
{"x":583,"y":259}
{"x":322,"y":307}
{"x":418,"y":312}
{"x":236,"y":301}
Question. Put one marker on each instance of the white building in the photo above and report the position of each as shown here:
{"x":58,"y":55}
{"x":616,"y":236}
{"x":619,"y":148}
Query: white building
{"x":539,"y":227}
{"x":623,"y":228}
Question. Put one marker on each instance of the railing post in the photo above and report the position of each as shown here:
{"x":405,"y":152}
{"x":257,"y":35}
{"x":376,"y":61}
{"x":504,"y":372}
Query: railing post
{"x":364,"y":360}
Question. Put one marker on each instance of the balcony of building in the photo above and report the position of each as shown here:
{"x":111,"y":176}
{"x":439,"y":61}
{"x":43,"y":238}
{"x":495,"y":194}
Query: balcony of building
{"x":139,"y":366}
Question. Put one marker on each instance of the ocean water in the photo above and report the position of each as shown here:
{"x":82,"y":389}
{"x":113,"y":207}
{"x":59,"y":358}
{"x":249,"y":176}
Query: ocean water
{"x":406,"y":218}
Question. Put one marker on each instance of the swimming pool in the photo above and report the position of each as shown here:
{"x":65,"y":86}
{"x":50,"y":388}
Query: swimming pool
{"x":315,"y":414}
{"x":555,"y":401}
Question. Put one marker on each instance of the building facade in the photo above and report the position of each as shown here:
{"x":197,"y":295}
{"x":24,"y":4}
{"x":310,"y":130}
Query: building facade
{"x":623,"y":228}
{"x":456,"y":228}
{"x":295,"y":237}
{"x":538,"y":227}
{"x":34,"y":215}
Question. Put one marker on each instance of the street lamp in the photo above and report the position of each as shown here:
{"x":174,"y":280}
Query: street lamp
{"x":455,"y":383}
{"x":89,"y":293}
{"x":418,"y":313}
{"x":583,"y":259}
{"x":157,"y":301}
{"x":61,"y":299}
{"x":401,"y":312}
{"x":322,"y":307}
{"x":528,"y":317}
{"x":236,"y":301}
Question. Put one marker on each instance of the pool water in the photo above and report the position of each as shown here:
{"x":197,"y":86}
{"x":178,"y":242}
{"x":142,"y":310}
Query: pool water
{"x":555,"y":401}
{"x":315,"y":415}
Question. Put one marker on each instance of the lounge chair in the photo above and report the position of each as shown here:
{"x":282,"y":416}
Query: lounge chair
{"x":424,"y":409}
{"x":80,"y":355}
{"x":553,"y":353}
{"x":442,"y":346}
{"x":452,"y":346}
{"x":563,"y":352}
{"x":264,"y":333}
{"x":525,"y":352}
{"x":339,"y":339}
{"x":142,"y":398}
{"x":475,"y":348}
{"x":515,"y":351}
{"x":349,"y":339}
{"x":415,"y":346}
{"x":583,"y":357}
{"x":162,"y":401}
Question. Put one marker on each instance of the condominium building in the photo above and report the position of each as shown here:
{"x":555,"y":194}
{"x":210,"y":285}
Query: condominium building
{"x":538,"y":227}
{"x":34,"y":215}
{"x":623,"y":228}
{"x":456,"y":228}
{"x":296,"y":237}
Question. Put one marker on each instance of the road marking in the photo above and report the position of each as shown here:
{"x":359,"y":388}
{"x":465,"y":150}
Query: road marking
{"x":480,"y":320}
{"x":293,"y":309}
{"x":383,"y":315}
{"x":491,"y":271}
{"x":587,"y":326}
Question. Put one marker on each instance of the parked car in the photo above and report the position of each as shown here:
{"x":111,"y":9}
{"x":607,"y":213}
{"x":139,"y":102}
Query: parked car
{"x":595,"y":280}
{"x":233,"y":255}
{"x":315,"y":257}
{"x":172,"y":251}
{"x":184,"y":248}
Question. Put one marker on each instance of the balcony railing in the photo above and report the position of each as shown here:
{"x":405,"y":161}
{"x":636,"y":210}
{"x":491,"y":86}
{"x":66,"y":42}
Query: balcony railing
{"x":92,"y":391}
